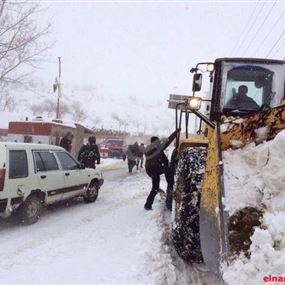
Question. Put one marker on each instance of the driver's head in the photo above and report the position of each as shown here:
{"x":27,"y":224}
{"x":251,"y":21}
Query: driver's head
{"x":242,"y":90}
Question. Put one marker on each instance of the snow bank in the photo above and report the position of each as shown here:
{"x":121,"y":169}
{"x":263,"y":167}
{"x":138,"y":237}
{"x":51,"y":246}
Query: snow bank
{"x":254,"y":176}
{"x":111,"y":163}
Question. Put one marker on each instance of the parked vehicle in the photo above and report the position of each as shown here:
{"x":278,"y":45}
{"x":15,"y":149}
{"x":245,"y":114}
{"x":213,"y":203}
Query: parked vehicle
{"x":33,"y":175}
{"x":113,"y":148}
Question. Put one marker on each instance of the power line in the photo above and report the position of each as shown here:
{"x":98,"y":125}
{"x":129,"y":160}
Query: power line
{"x":280,"y":37}
{"x":251,"y":26}
{"x":269,"y":33}
{"x":278,"y":49}
{"x":246,"y":25}
{"x":260,"y":27}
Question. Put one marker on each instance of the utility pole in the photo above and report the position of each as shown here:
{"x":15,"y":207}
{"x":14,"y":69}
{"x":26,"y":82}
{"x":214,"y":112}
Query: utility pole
{"x":58,"y":88}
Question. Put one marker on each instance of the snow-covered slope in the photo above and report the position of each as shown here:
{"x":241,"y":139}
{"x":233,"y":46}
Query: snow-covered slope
{"x":125,"y":112}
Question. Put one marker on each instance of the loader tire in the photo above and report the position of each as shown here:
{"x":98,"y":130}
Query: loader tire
{"x":185,"y":228}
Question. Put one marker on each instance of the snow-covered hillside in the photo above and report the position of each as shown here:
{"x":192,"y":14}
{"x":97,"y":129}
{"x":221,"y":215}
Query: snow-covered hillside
{"x":128,"y":112}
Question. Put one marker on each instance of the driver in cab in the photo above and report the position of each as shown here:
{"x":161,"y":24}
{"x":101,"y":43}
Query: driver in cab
{"x":240,"y":101}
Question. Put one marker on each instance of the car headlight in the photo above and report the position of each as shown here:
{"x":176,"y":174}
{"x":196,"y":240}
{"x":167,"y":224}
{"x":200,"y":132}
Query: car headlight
{"x":194,"y":103}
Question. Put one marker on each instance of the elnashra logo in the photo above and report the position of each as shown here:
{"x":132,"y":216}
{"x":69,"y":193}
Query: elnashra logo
{"x":274,"y":278}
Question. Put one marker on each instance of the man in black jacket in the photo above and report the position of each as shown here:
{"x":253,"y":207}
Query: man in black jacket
{"x":89,"y":153}
{"x":66,"y":141}
{"x":156,"y":164}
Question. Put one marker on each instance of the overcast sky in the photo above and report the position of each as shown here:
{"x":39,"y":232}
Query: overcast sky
{"x":146,"y":49}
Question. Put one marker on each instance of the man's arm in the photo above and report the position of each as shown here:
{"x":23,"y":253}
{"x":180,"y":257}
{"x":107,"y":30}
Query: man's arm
{"x":80,"y":154}
{"x":97,"y":153}
{"x":164,"y":159}
{"x":170,"y":139}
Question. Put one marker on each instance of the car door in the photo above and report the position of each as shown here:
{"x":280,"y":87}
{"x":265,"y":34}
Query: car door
{"x":19,"y":179}
{"x":76,"y":178}
{"x":49,"y":175}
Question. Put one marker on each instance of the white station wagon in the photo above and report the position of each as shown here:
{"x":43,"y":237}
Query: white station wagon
{"x":33,"y":175}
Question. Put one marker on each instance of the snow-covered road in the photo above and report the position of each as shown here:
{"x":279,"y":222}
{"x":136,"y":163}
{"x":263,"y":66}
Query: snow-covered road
{"x":111,"y":241}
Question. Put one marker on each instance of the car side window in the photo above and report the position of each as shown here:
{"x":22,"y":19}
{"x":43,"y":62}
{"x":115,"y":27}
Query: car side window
{"x":66,"y":161}
{"x":45,"y":161}
{"x":39,"y":165}
{"x":18,"y":164}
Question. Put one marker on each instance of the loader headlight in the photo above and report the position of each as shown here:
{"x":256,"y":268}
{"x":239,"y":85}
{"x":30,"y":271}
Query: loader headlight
{"x":210,"y":67}
{"x":194,"y":103}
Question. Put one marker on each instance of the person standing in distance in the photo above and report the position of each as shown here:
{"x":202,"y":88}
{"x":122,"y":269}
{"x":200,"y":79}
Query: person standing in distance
{"x":89,"y":153}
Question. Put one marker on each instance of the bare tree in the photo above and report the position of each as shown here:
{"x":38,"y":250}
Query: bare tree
{"x":36,"y":109}
{"x":49,"y":107}
{"x":7,"y":102}
{"x":117,"y":118}
{"x":64,"y":109}
{"x":96,"y":120}
{"x":77,"y":112}
{"x":21,"y":40}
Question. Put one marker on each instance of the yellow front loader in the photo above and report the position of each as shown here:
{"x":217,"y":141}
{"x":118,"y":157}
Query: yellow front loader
{"x":200,"y":228}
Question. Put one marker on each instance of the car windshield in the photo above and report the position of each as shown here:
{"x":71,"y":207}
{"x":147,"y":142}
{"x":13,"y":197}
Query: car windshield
{"x":120,"y":142}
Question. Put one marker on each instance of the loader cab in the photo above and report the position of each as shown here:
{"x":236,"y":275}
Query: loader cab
{"x":263,"y":80}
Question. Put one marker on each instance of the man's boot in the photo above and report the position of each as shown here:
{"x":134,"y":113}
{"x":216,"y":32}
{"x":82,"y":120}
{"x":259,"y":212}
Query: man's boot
{"x":149,"y":200}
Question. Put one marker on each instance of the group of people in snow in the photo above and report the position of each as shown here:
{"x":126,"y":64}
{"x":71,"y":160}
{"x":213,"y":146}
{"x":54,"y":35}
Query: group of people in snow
{"x":134,"y":156}
{"x":156,"y":162}
{"x":88,"y":154}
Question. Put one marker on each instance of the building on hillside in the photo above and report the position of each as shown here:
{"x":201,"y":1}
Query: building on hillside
{"x":103,"y":134}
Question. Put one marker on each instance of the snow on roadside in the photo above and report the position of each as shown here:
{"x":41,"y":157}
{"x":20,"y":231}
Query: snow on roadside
{"x":254,"y":176}
{"x":113,"y":241}
{"x":110,"y":164}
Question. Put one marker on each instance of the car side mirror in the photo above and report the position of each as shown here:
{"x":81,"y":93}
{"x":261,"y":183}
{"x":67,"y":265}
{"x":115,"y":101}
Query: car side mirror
{"x":81,"y":166}
{"x":197,"y":82}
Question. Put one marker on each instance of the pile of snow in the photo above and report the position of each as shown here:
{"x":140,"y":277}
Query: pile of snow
{"x":254,"y":176}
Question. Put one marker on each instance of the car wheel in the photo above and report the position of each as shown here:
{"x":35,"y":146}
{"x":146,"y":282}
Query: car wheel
{"x":29,"y":212}
{"x":91,"y":193}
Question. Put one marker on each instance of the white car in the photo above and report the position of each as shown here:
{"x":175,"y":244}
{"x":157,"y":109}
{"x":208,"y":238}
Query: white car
{"x":32,"y":175}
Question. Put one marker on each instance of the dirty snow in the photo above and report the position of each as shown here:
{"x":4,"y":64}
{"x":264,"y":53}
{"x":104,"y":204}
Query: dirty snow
{"x":254,"y":176}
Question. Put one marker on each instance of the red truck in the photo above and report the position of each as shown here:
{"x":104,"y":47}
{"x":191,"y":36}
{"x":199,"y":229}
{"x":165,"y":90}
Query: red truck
{"x":113,"y":147}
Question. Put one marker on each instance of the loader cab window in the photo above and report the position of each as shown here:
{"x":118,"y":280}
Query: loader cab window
{"x":247,"y":88}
